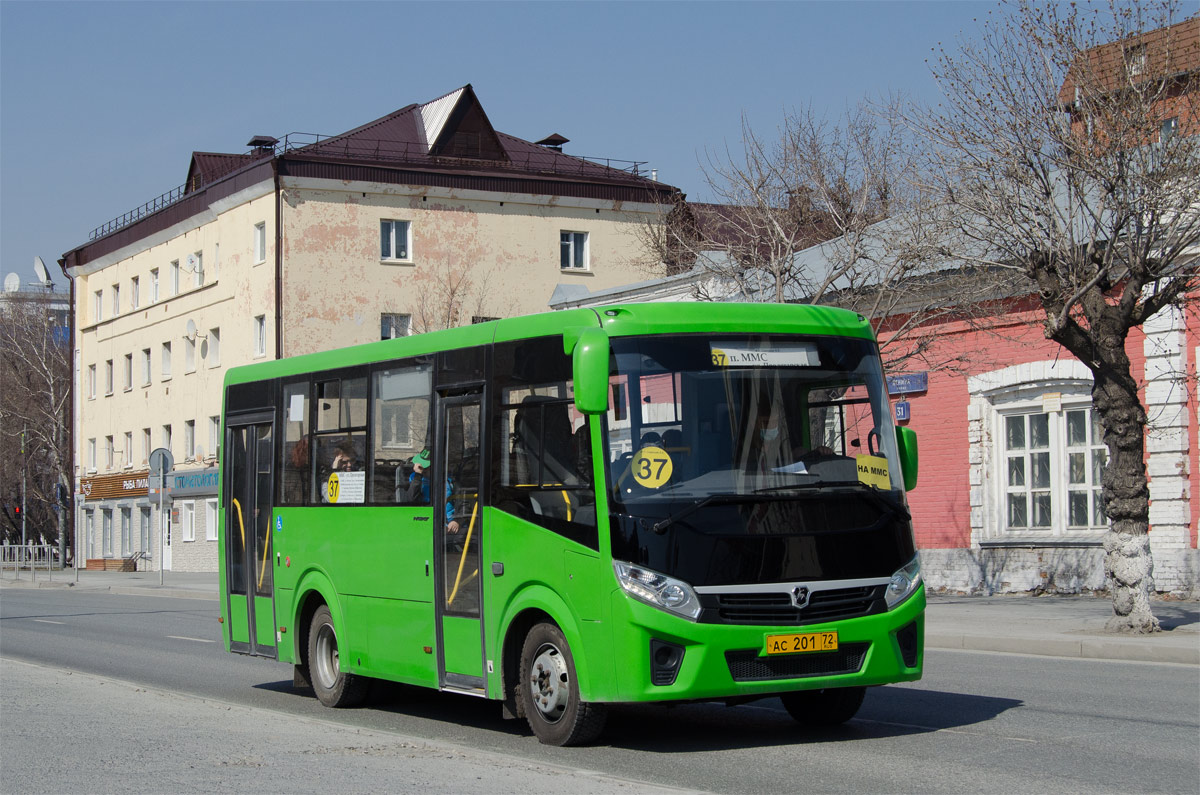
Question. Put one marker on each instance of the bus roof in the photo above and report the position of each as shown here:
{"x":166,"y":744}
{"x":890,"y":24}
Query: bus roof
{"x":618,"y":320}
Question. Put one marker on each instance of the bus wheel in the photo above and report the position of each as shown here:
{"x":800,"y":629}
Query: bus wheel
{"x":333,"y":687}
{"x":829,"y":707}
{"x":550,"y":694}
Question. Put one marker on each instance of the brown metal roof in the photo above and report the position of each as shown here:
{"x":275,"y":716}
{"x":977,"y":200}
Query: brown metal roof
{"x":465,"y":153}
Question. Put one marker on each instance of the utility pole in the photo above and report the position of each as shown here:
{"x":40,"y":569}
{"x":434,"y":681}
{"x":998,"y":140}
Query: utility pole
{"x":24,"y":469}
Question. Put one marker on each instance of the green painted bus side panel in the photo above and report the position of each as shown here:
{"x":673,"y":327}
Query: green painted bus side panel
{"x":264,"y":620}
{"x":286,"y":650}
{"x":585,"y":591}
{"x":461,"y":640}
{"x":705,"y":671}
{"x":397,"y":634}
{"x":239,"y":619}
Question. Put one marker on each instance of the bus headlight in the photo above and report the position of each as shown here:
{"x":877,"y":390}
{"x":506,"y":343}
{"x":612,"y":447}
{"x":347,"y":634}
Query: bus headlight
{"x":658,"y":590}
{"x":904,"y":583}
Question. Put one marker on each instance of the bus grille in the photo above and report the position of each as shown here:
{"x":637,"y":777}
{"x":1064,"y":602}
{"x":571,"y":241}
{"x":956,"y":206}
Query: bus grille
{"x":745,"y":665}
{"x":775,"y":609}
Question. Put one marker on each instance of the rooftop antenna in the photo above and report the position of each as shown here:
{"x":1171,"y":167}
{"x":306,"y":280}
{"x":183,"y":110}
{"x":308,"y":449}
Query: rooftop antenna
{"x":192,"y":331}
{"x":43,"y":275}
{"x":12,"y":283}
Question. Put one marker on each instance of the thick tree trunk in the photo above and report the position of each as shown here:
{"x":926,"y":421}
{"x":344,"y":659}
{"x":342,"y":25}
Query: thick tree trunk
{"x":1128,"y":566}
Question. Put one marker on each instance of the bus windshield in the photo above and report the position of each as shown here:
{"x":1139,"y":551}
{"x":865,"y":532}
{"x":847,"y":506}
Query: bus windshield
{"x":702,"y":428}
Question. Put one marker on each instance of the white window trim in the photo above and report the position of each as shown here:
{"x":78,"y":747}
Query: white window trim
{"x":260,"y":336}
{"x":587,"y":251}
{"x":259,"y":242}
{"x":187,"y":518}
{"x":408,"y":248}
{"x":210,"y":520}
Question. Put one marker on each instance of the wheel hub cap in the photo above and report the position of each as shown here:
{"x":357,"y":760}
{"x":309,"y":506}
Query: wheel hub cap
{"x":549,"y":683}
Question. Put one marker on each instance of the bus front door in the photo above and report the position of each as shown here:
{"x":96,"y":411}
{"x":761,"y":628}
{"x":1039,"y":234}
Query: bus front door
{"x":458,"y":523}
{"x":251,"y":606}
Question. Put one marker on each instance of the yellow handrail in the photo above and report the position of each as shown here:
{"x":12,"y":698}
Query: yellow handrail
{"x":266,"y":553}
{"x":463,"y":558}
{"x":241,"y":523}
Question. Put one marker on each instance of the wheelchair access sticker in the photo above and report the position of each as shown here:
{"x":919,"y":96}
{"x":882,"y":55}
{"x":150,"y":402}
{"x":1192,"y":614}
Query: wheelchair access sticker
{"x":651,"y":467}
{"x":873,"y":470}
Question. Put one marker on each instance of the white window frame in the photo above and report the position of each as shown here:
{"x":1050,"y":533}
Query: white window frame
{"x":214,"y":435}
{"x":116,"y":300}
{"x":128,"y":449}
{"x":189,"y":439}
{"x":260,"y":242}
{"x":166,"y":361}
{"x":91,"y":454}
{"x":91,"y":382}
{"x":388,"y":246}
{"x":166,"y":436}
{"x":214,"y":347}
{"x":135,"y":289}
{"x":147,"y":445}
{"x":210,"y":520}
{"x":187,"y":516}
{"x":108,"y":377}
{"x":260,"y":335}
{"x":394,"y":324}
{"x":126,"y":530}
{"x":98,"y":306}
{"x":189,"y":355}
{"x":175,"y":284}
{"x":109,"y":452}
{"x":569,"y":243}
{"x":198,"y":271}
{"x":107,"y":529}
{"x":146,"y":367}
{"x":128,"y":381}
{"x":154,"y":285}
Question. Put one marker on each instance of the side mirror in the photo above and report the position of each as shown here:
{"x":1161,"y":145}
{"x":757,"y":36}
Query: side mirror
{"x":906,"y":442}
{"x":589,"y":358}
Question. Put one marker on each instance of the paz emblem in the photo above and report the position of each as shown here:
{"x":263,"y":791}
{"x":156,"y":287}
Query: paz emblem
{"x":800,"y":597}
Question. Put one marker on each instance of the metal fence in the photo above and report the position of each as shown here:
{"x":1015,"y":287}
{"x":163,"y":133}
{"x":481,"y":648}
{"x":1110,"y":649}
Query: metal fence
{"x":33,"y":558}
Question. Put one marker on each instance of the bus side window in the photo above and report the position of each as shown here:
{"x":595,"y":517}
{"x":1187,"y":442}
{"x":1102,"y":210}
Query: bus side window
{"x":400,"y":425}
{"x":296,"y":448}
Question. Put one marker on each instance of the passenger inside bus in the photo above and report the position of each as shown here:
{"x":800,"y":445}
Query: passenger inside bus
{"x":419,"y":488}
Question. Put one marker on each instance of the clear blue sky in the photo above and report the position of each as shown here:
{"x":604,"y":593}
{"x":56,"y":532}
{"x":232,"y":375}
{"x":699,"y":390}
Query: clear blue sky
{"x":102,"y":103}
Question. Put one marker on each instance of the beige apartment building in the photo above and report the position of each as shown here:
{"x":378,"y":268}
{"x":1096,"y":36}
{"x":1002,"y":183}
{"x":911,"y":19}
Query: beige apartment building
{"x":422,"y":219}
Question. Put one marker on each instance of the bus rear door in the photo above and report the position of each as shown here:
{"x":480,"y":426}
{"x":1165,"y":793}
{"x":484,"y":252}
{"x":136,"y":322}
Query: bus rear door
{"x":251,"y":607}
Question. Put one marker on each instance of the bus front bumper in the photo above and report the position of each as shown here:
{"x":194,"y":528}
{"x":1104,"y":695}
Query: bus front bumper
{"x":662,"y":657}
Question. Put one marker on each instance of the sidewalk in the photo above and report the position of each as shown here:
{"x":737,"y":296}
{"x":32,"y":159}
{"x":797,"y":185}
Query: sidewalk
{"x":1060,"y":626}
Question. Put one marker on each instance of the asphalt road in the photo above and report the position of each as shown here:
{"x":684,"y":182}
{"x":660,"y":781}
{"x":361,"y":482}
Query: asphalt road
{"x":978,"y":722}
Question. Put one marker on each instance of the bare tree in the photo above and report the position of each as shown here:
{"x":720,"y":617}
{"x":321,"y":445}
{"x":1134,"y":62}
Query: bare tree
{"x":827,"y":213}
{"x":35,"y":380}
{"x":1060,"y":162}
{"x":454,"y":294}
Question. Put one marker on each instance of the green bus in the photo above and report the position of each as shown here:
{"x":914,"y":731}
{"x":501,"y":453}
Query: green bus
{"x":648,"y":502}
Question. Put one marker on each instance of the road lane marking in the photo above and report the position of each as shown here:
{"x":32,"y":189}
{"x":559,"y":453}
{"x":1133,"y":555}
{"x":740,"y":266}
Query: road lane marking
{"x":48,"y":621}
{"x":196,"y":640}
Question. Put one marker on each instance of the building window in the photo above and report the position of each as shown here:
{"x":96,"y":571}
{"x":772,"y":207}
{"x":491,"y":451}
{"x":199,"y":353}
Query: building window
{"x":91,"y":381}
{"x":144,"y":529}
{"x":166,"y":360}
{"x":214,"y":347}
{"x":1169,"y":129}
{"x":108,"y":377}
{"x":189,"y":439}
{"x":573,"y":251}
{"x":1051,"y":467}
{"x":210,"y":520}
{"x":128,"y":372}
{"x":189,"y":354}
{"x":216,"y":266}
{"x":126,"y":521}
{"x":108,"y":452}
{"x":153,"y":285}
{"x":196,"y":261}
{"x":107,"y":530}
{"x":175,"y":277}
{"x":260,"y":242}
{"x":260,"y":335}
{"x":1135,"y":60}
{"x":91,"y":454}
{"x":128,"y":449}
{"x":97,"y":306}
{"x":146,"y":448}
{"x":135,"y":289}
{"x":116,"y":295}
{"x":145,"y":367}
{"x":393,"y":325}
{"x":166,"y":437}
{"x":394,"y":239}
{"x":214,"y":435}
{"x":188,"y":517}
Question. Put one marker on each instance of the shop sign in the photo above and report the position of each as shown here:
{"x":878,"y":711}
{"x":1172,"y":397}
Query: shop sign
{"x":193,"y":482}
{"x":114,"y":487}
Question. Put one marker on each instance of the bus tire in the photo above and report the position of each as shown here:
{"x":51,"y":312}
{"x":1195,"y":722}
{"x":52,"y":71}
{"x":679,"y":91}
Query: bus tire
{"x":823,"y":708}
{"x":549,"y":692}
{"x":333,"y":686}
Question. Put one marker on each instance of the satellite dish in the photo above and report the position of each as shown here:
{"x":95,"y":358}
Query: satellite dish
{"x":191,"y":330}
{"x":12,"y":283}
{"x":192,"y":262}
{"x":43,"y":275}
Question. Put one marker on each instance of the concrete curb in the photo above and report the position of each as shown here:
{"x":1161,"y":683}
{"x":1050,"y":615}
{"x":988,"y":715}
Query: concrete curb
{"x":1142,"y":649}
{"x":132,"y":590}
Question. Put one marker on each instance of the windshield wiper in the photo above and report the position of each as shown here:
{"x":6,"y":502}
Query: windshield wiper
{"x":661,"y":527}
{"x":871,"y":492}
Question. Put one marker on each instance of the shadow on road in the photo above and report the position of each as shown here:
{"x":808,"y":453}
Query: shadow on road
{"x":692,"y":727}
